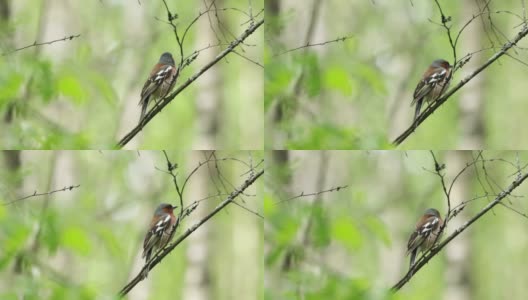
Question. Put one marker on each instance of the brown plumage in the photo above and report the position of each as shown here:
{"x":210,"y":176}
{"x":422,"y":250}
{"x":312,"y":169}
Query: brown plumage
{"x":435,"y":81}
{"x":160,"y":82}
{"x":160,"y":231}
{"x":425,"y":234}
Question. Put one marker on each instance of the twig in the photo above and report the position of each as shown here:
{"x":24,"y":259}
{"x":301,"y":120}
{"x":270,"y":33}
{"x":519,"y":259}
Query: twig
{"x":446,"y":20}
{"x":308,"y":44}
{"x":432,"y":252}
{"x":35,"y":44}
{"x":35,"y":194}
{"x":248,"y":210}
{"x":434,"y":106}
{"x":170,"y":169}
{"x":193,"y":78}
{"x":157,"y":259}
{"x":302,"y":194}
{"x":303,"y":236}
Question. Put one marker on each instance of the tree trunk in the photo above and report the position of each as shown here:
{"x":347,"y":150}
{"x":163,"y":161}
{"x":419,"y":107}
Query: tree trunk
{"x":471,"y":104}
{"x":457,"y":273}
{"x":209,"y":87}
{"x":196,"y":278}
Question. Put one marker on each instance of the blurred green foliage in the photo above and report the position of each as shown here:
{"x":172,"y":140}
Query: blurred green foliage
{"x":356,"y":93}
{"x":355,"y":247}
{"x":86,"y":243}
{"x":83,"y":93}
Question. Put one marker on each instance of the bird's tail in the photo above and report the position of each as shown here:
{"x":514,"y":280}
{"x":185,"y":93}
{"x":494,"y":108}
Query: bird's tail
{"x":417,"y":110}
{"x":144,"y":106}
{"x":413,"y":257}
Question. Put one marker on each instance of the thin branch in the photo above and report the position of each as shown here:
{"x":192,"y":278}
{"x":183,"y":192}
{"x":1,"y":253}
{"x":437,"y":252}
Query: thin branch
{"x":248,"y":210}
{"x":302,"y":194}
{"x":308,"y":44}
{"x":157,"y":259}
{"x":35,"y":194}
{"x":170,"y":170}
{"x":438,"y":170}
{"x":432,"y":252}
{"x":465,"y":26}
{"x":35,"y":44}
{"x":435,"y":105}
{"x":249,"y":59}
{"x":200,"y":164}
{"x":169,"y":98}
{"x":446,"y":20}
{"x":515,"y":210}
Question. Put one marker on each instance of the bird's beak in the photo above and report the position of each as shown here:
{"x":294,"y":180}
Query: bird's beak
{"x":174,"y":207}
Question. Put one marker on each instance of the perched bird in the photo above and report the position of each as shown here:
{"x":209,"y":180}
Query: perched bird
{"x":433,"y":84}
{"x":160,"y":82}
{"x":425,"y":234}
{"x":160,"y":232}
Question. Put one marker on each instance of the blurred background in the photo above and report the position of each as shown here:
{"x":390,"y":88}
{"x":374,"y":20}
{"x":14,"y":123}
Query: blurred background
{"x":86,"y":243}
{"x":350,"y":242}
{"x":84,"y":93}
{"x":356,"y":93}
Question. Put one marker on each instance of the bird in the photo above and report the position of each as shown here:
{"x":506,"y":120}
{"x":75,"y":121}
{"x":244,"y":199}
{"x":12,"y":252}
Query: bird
{"x":159,"y":83}
{"x":433,"y":84}
{"x":426,"y":233}
{"x":161,"y":230}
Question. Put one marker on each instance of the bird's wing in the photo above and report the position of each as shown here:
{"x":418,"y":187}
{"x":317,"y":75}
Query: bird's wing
{"x":155,"y":80}
{"x":421,"y":234}
{"x":429,"y":226}
{"x":155,"y":233}
{"x":429,"y":81}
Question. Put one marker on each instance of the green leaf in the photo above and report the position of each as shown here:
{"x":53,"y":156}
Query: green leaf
{"x":346,"y":232}
{"x":111,"y":241}
{"x":312,"y":82}
{"x":102,"y":86}
{"x":321,"y":228}
{"x":337,"y":78}
{"x":44,"y":80}
{"x":50,"y":232}
{"x":379,"y":229}
{"x":76,"y":240}
{"x":71,"y":87}
{"x":371,"y":76}
{"x":10,"y":87}
{"x":325,"y":136}
{"x":274,"y":254}
{"x":18,"y":234}
{"x":13,"y":237}
{"x":287,"y":231}
{"x":278,"y":76}
{"x":270,"y":207}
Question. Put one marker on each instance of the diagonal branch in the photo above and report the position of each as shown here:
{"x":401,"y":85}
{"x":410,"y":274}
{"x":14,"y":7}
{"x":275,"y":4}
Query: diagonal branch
{"x":237,"y":192}
{"x":431,"y":253}
{"x":434,"y":106}
{"x":193,"y":78}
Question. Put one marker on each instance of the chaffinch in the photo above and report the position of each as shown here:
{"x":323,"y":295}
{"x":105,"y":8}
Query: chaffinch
{"x":425,"y":234}
{"x":433,"y":84}
{"x":160,"y":82}
{"x":161,"y":230}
